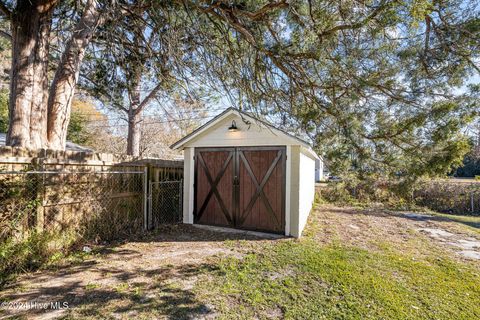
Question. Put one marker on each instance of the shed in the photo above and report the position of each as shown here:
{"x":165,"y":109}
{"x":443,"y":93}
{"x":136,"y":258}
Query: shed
{"x":244,"y":173}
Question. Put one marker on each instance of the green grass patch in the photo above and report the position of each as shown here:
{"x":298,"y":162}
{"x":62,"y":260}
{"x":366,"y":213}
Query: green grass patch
{"x":473,"y":222}
{"x":301,"y":279}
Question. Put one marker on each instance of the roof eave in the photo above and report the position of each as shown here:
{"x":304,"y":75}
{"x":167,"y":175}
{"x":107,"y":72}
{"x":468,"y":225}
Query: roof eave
{"x":180,"y":143}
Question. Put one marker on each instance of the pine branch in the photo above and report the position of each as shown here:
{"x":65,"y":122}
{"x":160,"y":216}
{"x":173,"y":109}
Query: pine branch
{"x":5,"y":10}
{"x":6,"y":35}
{"x":149,"y":97}
{"x":358,"y":24}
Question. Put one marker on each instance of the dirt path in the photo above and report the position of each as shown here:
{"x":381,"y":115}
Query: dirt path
{"x":417,"y":232}
{"x":152,"y":276}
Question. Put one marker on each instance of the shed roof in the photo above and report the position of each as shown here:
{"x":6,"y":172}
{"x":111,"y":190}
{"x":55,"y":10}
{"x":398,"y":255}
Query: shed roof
{"x":211,"y":123}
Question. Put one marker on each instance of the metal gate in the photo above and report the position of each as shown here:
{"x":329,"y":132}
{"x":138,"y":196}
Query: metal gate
{"x":165,"y":202}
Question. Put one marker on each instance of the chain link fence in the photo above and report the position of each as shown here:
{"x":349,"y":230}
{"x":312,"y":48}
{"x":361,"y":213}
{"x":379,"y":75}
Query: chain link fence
{"x":100,"y":204}
{"x":53,"y":202}
{"x":165,"y":202}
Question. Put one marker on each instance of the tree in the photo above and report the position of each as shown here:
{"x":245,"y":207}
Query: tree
{"x":5,"y":55}
{"x":3,"y":111}
{"x":80,"y":129}
{"x":124,"y":65}
{"x":137,"y":59}
{"x":377,"y":85}
{"x":40,"y":110}
{"x":160,"y":131}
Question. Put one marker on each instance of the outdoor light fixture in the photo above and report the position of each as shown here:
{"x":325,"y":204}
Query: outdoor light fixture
{"x":233,"y":127}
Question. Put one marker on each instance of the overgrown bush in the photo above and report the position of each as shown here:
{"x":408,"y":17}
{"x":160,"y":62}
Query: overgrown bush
{"x":442,"y":195}
{"x":449,"y":196}
{"x":350,"y":191}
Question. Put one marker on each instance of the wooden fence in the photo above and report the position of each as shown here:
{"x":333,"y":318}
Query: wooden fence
{"x":101,"y":194}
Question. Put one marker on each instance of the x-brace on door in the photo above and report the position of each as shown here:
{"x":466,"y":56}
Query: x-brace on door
{"x":241,"y":187}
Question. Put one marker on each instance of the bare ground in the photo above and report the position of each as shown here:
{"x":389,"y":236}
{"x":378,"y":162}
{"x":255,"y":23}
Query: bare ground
{"x":155,"y":276}
{"x":419,"y":233}
{"x":151,"y":277}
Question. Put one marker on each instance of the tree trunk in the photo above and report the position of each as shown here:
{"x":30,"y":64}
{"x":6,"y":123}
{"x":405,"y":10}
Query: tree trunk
{"x":31,"y":24}
{"x":63,"y":85}
{"x":134,"y":113}
{"x":134,"y":134}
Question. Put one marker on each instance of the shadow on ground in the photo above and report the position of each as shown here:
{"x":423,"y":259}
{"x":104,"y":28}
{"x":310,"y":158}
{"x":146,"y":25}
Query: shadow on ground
{"x":152,"y":298}
{"x":152,"y":275}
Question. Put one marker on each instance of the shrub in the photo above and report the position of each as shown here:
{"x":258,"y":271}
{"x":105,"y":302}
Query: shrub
{"x":392,"y":193}
{"x":27,"y":254}
{"x":449,"y":196}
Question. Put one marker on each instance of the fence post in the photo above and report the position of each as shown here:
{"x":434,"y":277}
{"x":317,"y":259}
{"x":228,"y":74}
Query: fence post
{"x":150,"y":205}
{"x":41,"y":198}
{"x":472,"y":206}
{"x":145,"y":197}
{"x":180,"y":202}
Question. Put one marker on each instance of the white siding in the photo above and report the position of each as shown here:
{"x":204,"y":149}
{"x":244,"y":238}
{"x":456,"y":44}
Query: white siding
{"x":294,"y":183}
{"x":254,"y":134}
{"x":300,"y":166}
{"x":319,"y":170}
{"x":188,"y":170}
{"x":306,"y":189}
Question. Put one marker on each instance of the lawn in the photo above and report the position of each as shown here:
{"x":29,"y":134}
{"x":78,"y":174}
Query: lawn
{"x":349,"y":277}
{"x":351,"y":264}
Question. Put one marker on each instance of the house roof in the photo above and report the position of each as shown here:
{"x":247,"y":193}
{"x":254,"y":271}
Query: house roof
{"x":70,"y":146}
{"x":180,"y":143}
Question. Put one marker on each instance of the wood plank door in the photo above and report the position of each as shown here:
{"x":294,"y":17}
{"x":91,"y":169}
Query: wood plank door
{"x":214,"y":173}
{"x":241,"y":187}
{"x":261,"y":189}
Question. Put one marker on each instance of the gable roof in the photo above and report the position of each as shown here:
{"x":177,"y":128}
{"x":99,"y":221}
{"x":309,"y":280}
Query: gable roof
{"x":180,"y":143}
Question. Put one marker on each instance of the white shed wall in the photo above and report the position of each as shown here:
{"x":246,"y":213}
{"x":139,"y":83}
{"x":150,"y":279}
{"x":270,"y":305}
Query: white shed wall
{"x":306,"y":189}
{"x":300,"y":167}
{"x":294,"y":183}
{"x":248,"y":135}
{"x":188,"y":180}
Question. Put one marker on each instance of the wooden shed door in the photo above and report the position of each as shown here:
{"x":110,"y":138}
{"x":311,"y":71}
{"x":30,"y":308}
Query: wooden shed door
{"x":241,"y":187}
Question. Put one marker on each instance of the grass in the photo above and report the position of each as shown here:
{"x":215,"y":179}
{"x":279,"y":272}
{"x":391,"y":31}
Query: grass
{"x":337,"y":276}
{"x":471,"y":221}
{"x":306,"y":279}
{"x":37,"y":250}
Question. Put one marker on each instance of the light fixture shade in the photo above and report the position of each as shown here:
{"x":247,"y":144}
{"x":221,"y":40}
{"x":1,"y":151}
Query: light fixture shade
{"x":233,"y":127}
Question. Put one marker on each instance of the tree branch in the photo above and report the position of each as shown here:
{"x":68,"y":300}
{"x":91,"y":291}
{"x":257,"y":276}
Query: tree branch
{"x":149,"y":97}
{"x":6,"y":35}
{"x":358,"y":24}
{"x":260,"y":13}
{"x":4,"y":10}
